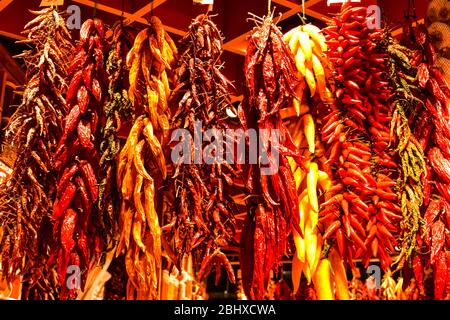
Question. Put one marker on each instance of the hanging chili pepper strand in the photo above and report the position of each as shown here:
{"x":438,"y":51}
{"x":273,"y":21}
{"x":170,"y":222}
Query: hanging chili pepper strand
{"x":405,"y":104}
{"x":433,"y":132}
{"x":141,"y":167}
{"x":200,"y":101}
{"x":308,"y":45}
{"x":117,"y":111}
{"x":271,"y":76}
{"x":26,"y":199}
{"x":357,"y":135}
{"x":78,"y":229}
{"x":385,"y":168}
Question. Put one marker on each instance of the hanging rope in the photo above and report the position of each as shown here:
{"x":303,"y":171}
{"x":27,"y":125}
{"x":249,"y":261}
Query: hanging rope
{"x":95,"y":9}
{"x":123,"y":12}
{"x":303,"y":9}
{"x":302,"y":16}
{"x":411,"y":11}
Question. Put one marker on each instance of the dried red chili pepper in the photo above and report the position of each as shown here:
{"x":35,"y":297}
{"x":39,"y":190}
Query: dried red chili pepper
{"x":418,"y":273}
{"x":366,"y":147}
{"x":439,"y":164}
{"x":440,"y":275}
{"x":63,"y":203}
{"x":83,"y":99}
{"x":433,"y":211}
{"x":437,"y":239}
{"x":423,"y":74}
{"x":77,"y":155}
{"x":66,"y":176}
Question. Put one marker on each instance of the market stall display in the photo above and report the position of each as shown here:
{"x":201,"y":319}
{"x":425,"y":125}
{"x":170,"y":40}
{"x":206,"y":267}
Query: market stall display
{"x":134,"y":158}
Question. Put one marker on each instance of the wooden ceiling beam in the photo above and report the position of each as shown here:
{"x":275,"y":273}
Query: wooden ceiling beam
{"x":399,"y":31}
{"x":105,"y":8}
{"x":310,"y":3}
{"x":292,"y":5}
{"x":129,"y":16}
{"x":234,"y":44}
{"x":147,"y":8}
{"x":286,"y":3}
{"x":174,"y":30}
{"x":317,"y":15}
{"x":4,"y":4}
{"x":12,"y":35}
{"x":298,"y":8}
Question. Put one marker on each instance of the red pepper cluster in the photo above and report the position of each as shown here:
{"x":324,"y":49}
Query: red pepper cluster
{"x":361,"y":208}
{"x":26,"y":199}
{"x":433,"y":132}
{"x":77,"y":158}
{"x":271,"y":76}
{"x":199,"y":95}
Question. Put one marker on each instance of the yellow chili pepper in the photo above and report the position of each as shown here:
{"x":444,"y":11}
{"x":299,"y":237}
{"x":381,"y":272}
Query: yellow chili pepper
{"x":322,"y":282}
{"x":340,"y":277}
{"x":309,"y":129}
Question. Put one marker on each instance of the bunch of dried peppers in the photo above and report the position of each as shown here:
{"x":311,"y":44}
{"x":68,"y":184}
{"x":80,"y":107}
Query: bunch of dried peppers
{"x":117,"y":111}
{"x":78,"y":231}
{"x":361,"y":210}
{"x":432,"y":130}
{"x":271,"y":76}
{"x":141,"y":166}
{"x":203,"y":212}
{"x":26,"y":199}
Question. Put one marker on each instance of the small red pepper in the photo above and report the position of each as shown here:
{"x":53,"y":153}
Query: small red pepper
{"x":440,"y":275}
{"x":89,"y":176}
{"x":437,"y":239}
{"x":63,"y":203}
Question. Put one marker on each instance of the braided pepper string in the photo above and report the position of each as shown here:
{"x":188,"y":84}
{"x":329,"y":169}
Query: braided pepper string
{"x":404,"y":100}
{"x":432,"y":130}
{"x":141,"y":168}
{"x":117,"y":111}
{"x":78,"y":231}
{"x":271,"y":76}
